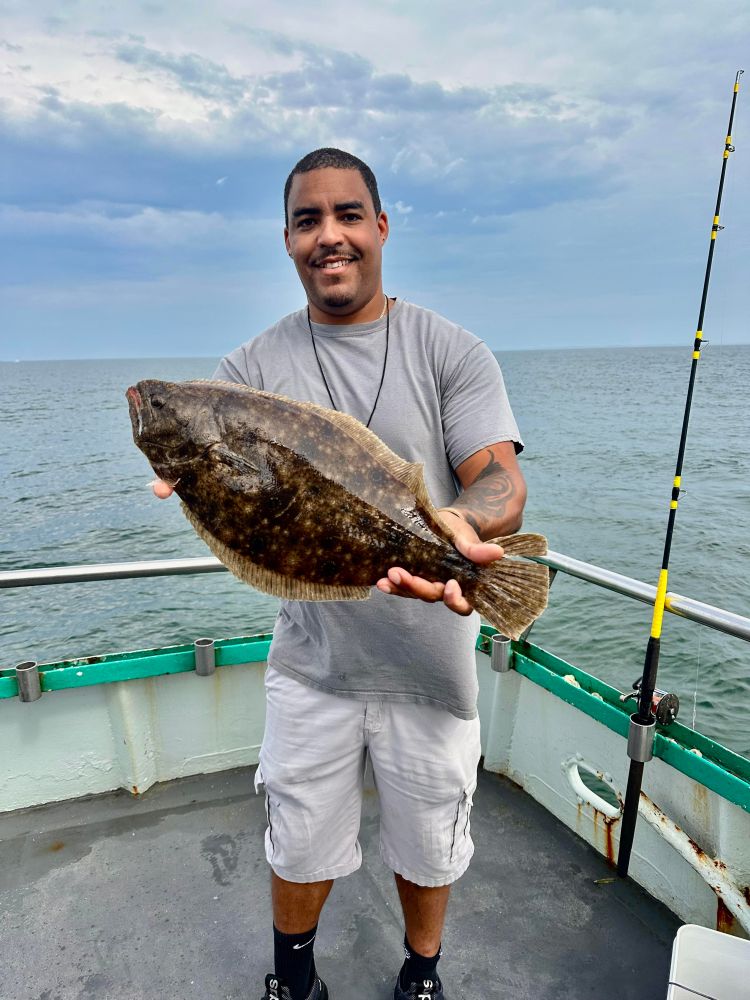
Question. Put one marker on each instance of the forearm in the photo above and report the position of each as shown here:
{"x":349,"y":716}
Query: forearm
{"x":493,"y":503}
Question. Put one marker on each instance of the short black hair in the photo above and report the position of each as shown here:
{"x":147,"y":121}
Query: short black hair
{"x":341,"y":160}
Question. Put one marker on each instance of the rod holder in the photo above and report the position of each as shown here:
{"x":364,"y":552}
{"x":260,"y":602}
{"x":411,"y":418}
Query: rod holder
{"x":29,"y":684}
{"x":205,"y":657}
{"x":500,"y":653}
{"x":641,"y":740}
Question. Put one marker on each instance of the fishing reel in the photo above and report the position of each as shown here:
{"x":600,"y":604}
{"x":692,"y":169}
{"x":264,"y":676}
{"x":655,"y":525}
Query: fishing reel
{"x":664,"y":705}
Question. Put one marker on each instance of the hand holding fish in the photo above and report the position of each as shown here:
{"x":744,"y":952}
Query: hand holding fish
{"x":403,"y":584}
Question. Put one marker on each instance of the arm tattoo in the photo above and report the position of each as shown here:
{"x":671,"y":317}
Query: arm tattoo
{"x":485,"y":501}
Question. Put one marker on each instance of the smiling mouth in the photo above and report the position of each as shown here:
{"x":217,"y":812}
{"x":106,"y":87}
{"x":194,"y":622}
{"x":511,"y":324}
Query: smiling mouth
{"x":334,"y":264}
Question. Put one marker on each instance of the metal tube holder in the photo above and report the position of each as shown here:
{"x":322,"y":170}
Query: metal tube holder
{"x":500,"y":653}
{"x":205,"y":657}
{"x":641,"y":739}
{"x":29,"y":684}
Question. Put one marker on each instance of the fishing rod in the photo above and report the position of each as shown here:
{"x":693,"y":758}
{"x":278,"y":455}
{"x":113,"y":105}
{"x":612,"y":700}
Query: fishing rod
{"x":643,"y":722}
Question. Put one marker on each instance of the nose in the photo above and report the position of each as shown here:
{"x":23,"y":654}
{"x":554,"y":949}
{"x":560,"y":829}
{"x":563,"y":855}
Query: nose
{"x":329,"y":233}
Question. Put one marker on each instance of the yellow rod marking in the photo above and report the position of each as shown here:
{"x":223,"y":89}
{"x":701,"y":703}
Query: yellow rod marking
{"x":677,"y":482}
{"x":729,"y":140}
{"x":696,"y":354}
{"x":661,"y":593}
{"x":736,"y":87}
{"x":673,"y":504}
{"x":716,"y":220}
{"x":699,"y":334}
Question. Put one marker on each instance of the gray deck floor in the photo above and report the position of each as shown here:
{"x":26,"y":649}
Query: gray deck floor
{"x":165,"y":897}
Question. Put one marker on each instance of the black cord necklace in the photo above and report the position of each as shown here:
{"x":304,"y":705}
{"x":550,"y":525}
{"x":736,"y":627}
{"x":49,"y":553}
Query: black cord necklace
{"x":385,"y":360}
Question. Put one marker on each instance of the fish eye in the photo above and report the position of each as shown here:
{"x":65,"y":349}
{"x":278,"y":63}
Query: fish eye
{"x":157,"y":402}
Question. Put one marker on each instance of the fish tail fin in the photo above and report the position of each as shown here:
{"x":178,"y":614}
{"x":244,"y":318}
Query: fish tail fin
{"x":512,"y":593}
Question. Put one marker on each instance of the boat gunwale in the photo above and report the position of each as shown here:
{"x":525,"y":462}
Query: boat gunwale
{"x":688,"y":751}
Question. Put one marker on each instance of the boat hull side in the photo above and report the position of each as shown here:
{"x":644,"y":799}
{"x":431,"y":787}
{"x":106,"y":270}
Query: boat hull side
{"x":545,"y":745}
{"x":129,"y":734}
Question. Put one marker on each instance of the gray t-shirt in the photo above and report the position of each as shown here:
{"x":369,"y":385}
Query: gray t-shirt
{"x":443,"y":399}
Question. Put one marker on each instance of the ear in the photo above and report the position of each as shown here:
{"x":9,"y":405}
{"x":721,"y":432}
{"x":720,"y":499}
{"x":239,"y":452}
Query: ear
{"x":383,"y":227}
{"x":287,"y":244}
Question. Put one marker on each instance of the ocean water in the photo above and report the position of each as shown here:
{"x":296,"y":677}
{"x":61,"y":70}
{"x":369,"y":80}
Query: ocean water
{"x":601,"y":429}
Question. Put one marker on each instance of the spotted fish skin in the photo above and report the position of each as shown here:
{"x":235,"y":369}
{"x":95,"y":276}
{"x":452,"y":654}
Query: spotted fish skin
{"x":305,"y":526}
{"x":284,"y":487}
{"x":298,"y":500}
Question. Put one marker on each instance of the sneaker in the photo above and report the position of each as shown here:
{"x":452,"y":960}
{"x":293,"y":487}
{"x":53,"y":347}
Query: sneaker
{"x":427,"y":989}
{"x":277,"y":989}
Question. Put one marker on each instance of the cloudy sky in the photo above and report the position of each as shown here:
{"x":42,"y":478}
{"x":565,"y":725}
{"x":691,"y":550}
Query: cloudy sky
{"x":550,"y":169}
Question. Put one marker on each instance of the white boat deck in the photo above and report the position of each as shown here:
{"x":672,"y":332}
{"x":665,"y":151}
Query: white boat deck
{"x":164,"y":897}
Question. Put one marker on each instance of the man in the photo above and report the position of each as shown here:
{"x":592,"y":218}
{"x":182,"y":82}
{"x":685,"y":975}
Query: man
{"x":390,"y":679}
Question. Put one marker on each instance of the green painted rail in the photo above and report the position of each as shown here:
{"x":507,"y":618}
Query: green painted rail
{"x":88,"y":670}
{"x":711,"y":764}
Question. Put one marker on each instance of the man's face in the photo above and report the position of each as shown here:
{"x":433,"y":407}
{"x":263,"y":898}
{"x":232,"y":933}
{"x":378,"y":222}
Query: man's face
{"x":336,"y":240}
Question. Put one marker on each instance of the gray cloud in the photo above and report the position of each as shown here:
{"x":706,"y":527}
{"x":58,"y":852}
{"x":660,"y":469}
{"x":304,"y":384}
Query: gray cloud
{"x":9,"y":46}
{"x":498,"y":150}
{"x":345,"y":80}
{"x":194,"y":73}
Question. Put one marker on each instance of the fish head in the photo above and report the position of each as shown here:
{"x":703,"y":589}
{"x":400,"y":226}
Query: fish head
{"x":173,"y":425}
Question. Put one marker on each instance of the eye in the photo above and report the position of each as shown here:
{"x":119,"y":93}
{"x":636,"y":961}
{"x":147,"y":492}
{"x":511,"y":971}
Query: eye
{"x":157,"y":402}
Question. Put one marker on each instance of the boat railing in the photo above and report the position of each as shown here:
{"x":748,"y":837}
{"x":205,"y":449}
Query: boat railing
{"x":677,"y":604}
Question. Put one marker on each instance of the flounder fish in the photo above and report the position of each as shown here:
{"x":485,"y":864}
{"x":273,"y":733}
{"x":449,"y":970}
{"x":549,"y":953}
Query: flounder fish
{"x":307,"y":504}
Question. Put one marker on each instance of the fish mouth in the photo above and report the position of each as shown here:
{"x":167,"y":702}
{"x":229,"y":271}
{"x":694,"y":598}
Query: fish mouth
{"x":135,"y":405}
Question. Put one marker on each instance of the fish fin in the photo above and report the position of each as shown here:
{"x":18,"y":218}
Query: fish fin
{"x":267,"y":580}
{"x":411,"y":474}
{"x":525,"y":544}
{"x":510,"y":594}
{"x":228,"y":457}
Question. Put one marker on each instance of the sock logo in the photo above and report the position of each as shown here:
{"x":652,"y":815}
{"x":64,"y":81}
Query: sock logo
{"x":296,"y":947}
{"x":427,"y":986}
{"x":273,"y":986}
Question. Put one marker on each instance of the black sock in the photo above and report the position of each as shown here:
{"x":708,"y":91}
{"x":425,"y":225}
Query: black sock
{"x":293,"y":960}
{"x":417,"y":968}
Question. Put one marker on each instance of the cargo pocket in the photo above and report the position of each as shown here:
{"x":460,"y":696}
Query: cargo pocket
{"x":259,"y":781}
{"x":462,"y":822}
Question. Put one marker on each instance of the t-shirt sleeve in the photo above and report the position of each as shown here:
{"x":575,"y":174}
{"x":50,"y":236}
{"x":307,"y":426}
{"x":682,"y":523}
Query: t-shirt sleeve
{"x":236,"y":367}
{"x":475,"y":407}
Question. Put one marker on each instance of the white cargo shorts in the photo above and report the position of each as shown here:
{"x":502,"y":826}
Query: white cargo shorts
{"x":312,"y":763}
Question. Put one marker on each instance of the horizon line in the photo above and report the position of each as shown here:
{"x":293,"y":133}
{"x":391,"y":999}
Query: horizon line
{"x":501,"y":350}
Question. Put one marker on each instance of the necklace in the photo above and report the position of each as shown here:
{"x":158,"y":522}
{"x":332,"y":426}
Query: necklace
{"x":387,"y":314}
